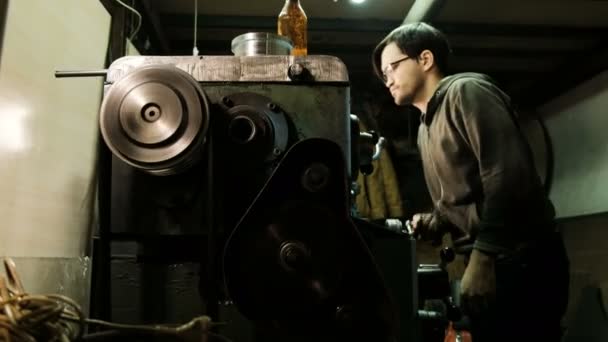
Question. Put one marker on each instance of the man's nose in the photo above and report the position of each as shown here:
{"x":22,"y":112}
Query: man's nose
{"x":388,"y":82}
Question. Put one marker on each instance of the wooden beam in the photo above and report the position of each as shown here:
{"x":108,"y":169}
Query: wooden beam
{"x":385,"y":26}
{"x":109,"y":5}
{"x":117,"y":47}
{"x":328,"y":47}
{"x":3,"y":14}
{"x":154,"y":20}
{"x":270,"y":23}
{"x":523,"y":31}
{"x":572,"y":72}
{"x":423,"y":10}
{"x":101,"y":294}
{"x":118,"y":35}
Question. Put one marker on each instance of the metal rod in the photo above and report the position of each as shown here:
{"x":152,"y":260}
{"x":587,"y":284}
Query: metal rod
{"x":81,"y":73}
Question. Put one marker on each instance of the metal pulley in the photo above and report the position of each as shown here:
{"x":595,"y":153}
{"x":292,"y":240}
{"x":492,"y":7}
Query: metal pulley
{"x":156,"y":119}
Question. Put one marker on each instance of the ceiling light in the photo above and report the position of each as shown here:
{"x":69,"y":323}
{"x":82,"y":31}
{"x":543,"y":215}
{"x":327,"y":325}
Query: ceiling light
{"x":358,"y":2}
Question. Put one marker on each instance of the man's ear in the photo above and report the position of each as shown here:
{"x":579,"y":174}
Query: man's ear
{"x":426,"y":59}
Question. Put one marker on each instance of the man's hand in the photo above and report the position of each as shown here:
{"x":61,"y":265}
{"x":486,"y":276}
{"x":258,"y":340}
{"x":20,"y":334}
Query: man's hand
{"x":428,"y":228}
{"x":478,"y":285}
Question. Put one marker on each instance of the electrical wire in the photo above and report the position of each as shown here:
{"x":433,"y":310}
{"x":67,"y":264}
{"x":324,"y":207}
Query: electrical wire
{"x":194,"y":48}
{"x":32,"y":318}
{"x":136,"y":14}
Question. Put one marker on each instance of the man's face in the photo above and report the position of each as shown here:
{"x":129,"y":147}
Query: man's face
{"x":402,"y":74}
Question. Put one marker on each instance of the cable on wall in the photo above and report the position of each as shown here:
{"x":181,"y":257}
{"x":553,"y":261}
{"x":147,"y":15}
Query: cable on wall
{"x":194,"y":48}
{"x":134,"y":33}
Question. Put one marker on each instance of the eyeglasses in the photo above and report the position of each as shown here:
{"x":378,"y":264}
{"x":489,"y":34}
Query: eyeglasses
{"x":391,"y":67}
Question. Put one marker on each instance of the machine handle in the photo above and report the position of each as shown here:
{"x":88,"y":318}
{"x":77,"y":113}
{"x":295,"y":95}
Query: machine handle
{"x":378,"y":148}
{"x":80,"y":73}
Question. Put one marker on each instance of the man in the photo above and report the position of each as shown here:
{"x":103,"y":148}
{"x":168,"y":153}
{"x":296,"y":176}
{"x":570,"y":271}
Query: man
{"x":485,"y":190}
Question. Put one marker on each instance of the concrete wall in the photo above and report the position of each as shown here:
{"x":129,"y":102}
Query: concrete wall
{"x":577,"y":123}
{"x":48,"y":138}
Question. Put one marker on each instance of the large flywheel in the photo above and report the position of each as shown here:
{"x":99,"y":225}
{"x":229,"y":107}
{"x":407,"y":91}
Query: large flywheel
{"x":156,"y":119}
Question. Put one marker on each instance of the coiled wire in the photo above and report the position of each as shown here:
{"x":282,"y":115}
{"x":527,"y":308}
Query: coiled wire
{"x":51,"y":317}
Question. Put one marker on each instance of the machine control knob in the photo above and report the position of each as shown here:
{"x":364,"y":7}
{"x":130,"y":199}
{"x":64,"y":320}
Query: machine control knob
{"x":294,"y":256}
{"x":298,"y":72}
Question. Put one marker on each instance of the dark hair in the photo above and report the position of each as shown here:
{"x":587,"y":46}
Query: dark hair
{"x":412,"y":39}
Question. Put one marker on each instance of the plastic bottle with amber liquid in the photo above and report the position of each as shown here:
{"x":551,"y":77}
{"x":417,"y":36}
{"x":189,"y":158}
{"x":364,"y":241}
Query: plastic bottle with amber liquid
{"x":293,"y":23}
